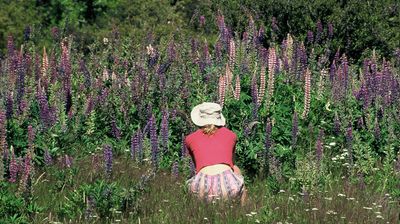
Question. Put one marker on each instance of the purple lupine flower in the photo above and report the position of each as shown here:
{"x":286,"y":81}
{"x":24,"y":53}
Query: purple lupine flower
{"x":345,"y":71}
{"x":173,"y":114}
{"x":108,"y":157}
{"x":295,"y":129}
{"x":90,"y":105}
{"x":202,"y":21}
{"x":310,"y":37}
{"x":26,"y":173}
{"x":45,"y":112}
{"x":302,"y":57}
{"x":13,"y":168}
{"x":9,"y":105}
{"x":330,"y":30}
{"x":116,"y":132}
{"x":171,"y":51}
{"x":140,"y":145}
{"x":319,"y":147}
{"x":349,"y":142}
{"x":48,"y":160}
{"x":218,"y":51}
{"x":184,"y":150}
{"x":206,"y":60}
{"x":134,"y":146}
{"x":175,"y":169}
{"x":154,"y":141}
{"x":332,"y":71}
{"x":21,"y":78}
{"x":319,"y":31}
{"x":164,"y":130}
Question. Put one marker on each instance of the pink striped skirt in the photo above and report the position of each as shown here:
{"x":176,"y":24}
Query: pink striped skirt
{"x":225,"y":185}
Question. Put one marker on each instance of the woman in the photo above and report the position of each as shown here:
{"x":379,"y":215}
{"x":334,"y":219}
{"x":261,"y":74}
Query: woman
{"x":212,"y":148}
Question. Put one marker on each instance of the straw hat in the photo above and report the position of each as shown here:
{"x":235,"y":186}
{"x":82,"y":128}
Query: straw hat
{"x":207,"y":113}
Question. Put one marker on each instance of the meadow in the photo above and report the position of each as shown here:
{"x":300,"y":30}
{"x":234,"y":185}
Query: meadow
{"x":96,"y":136}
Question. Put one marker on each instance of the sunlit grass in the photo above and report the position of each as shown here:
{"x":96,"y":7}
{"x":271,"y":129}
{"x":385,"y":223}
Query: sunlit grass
{"x":166,"y":200}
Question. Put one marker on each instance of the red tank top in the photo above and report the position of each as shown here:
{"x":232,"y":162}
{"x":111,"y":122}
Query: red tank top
{"x":210,"y":150}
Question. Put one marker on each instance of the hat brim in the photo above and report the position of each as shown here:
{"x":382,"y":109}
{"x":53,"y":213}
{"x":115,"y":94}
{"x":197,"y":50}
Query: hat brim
{"x":198,"y":121}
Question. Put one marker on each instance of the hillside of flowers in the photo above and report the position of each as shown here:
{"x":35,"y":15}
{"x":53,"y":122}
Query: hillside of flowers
{"x":97,"y":136}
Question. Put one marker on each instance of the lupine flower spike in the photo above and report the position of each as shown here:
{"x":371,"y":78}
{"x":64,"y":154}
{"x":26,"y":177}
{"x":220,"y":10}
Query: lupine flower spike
{"x":307,"y":93}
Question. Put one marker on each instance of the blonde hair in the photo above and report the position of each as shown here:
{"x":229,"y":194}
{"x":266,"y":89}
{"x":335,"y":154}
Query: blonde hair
{"x":209,"y":129}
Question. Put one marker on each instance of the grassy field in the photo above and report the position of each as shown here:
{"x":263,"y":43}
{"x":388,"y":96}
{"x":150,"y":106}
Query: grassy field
{"x":164,"y":199}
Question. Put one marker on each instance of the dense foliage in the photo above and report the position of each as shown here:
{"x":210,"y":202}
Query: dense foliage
{"x":358,"y":27}
{"x":306,"y":114}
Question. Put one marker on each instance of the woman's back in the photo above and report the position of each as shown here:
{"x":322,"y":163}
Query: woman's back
{"x":214,"y":149}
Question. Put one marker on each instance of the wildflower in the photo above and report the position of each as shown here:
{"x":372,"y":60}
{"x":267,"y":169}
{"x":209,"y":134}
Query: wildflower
{"x":271,"y":73}
{"x":314,"y":209}
{"x":13,"y":167}
{"x":202,"y":21}
{"x":328,"y":198}
{"x":307,"y":93}
{"x":367,"y":208}
{"x":341,"y":195}
{"x":236,"y":93}
{"x":332,"y":143}
{"x":116,"y":132}
{"x":26,"y":173}
{"x":107,"y":152}
{"x":330,"y":30}
{"x":221,"y":90}
{"x":319,"y":31}
{"x":379,"y":217}
{"x":232,"y":54}
{"x":154,"y":141}
{"x":164,"y":130}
